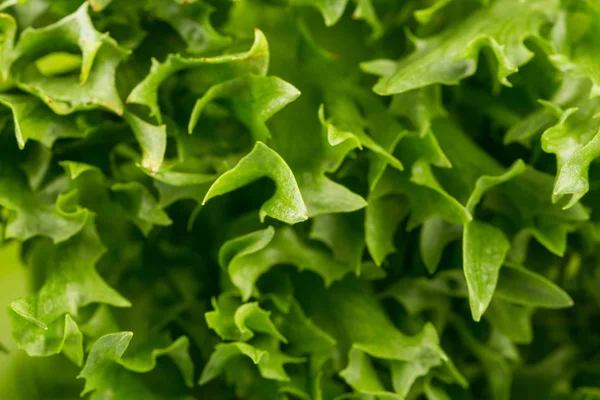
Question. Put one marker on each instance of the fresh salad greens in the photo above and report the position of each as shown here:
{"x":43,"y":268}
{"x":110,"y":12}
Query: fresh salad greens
{"x":300,"y":199}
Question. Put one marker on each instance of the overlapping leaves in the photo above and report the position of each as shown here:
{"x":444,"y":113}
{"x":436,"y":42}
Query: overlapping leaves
{"x":214,"y":201}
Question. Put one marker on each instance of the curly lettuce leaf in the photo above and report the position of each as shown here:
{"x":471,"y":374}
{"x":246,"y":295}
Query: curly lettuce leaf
{"x":107,"y":372}
{"x":286,"y":204}
{"x":213,"y":70}
{"x":42,"y":324}
{"x":32,"y":215}
{"x":453,"y":54}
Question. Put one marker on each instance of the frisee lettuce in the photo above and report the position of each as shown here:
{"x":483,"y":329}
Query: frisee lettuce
{"x":299,"y":199}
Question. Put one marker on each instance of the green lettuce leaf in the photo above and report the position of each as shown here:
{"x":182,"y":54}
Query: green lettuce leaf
{"x":453,"y":54}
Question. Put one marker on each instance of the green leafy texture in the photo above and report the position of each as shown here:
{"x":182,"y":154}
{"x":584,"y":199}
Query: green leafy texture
{"x":286,"y":204}
{"x":454,"y":156}
{"x":574,"y":35}
{"x":452,"y":55}
{"x":382,"y":217}
{"x":265,"y":354}
{"x":526,"y":197}
{"x":108,"y":373}
{"x":152,"y":140}
{"x":362,"y":376}
{"x":520,"y":286}
{"x":426,"y":196}
{"x":252,"y":98}
{"x":141,"y":206}
{"x":8,"y":27}
{"x":435,"y":235}
{"x":425,"y":15}
{"x":345,"y":122}
{"x":34,"y":120}
{"x":192,"y":21}
{"x":99,"y":5}
{"x":575,"y":142}
{"x":42,"y":323}
{"x":74,"y":30}
{"x":419,"y":107}
{"x":213,"y":70}
{"x":235,"y":321}
{"x":342,"y":234}
{"x":486,"y":182}
{"x":484,"y":251}
{"x":58,"y":63}
{"x":257,"y":254}
{"x":495,"y":366}
{"x":322,"y":195}
{"x":404,"y":375}
{"x":365,"y":10}
{"x":31,"y":215}
{"x":303,"y":335}
{"x":101,"y":55}
{"x":338,"y":309}
{"x":331,"y":10}
{"x":511,"y":320}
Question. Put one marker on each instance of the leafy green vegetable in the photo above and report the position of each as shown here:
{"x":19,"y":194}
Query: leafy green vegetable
{"x":299,"y":199}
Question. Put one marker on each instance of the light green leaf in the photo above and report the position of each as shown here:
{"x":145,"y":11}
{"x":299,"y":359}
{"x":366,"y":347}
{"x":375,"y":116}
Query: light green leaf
{"x":58,"y":63}
{"x":366,"y":11}
{"x":42,"y":323}
{"x":8,"y":27}
{"x":520,"y":286}
{"x":144,"y":357}
{"x":331,"y":10}
{"x":269,"y":359}
{"x":252,"y":98}
{"x":244,"y":245}
{"x":404,"y":374}
{"x":76,"y":29}
{"x":233,"y":320}
{"x":31,"y":215}
{"x":324,"y":196}
{"x":213,"y":70}
{"x":65,"y":94}
{"x":362,"y":376}
{"x":419,"y":107}
{"x":484,"y":251}
{"x":452,"y":55}
{"x":434,"y":392}
{"x":576,"y":143}
{"x":575,"y":35}
{"x":34,"y":120}
{"x":95,"y":86}
{"x":99,"y":5}
{"x":286,"y":204}
{"x":486,"y":182}
{"x":108,"y":373}
{"x":151,"y":138}
{"x":425,"y":15}
{"x":346,"y":122}
{"x":260,"y":254}
{"x":192,"y":22}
